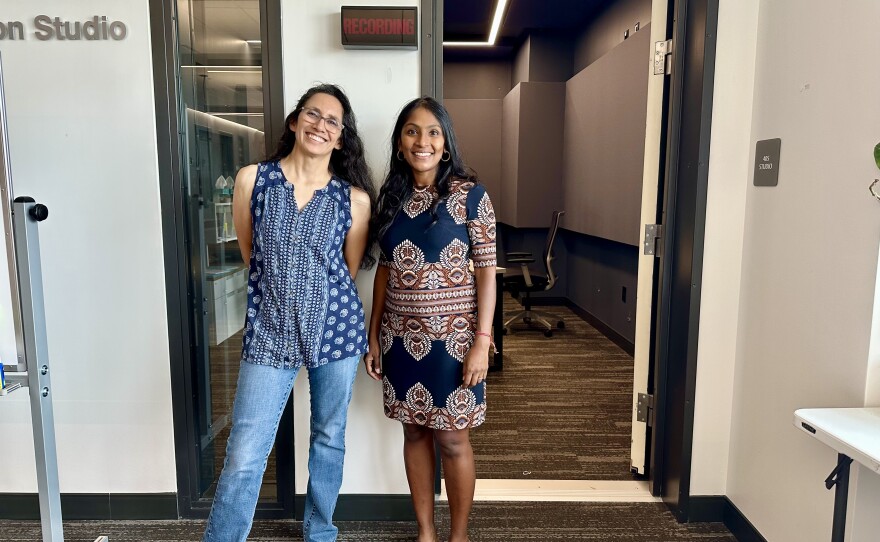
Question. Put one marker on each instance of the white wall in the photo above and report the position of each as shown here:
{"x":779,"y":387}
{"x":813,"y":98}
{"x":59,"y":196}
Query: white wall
{"x":729,"y":174}
{"x":809,"y":260}
{"x":378,"y":83}
{"x":82,"y":136}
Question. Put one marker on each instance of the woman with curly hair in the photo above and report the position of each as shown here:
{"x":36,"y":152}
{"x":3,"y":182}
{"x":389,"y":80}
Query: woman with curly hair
{"x":302,"y":220}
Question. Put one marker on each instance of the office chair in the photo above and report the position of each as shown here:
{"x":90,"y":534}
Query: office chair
{"x":529,"y":282}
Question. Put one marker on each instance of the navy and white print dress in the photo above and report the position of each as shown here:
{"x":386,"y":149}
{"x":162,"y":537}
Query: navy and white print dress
{"x":303,"y":306}
{"x":430,"y":316}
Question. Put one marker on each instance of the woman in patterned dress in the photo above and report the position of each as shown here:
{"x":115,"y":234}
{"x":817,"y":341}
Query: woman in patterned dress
{"x":433,"y":301}
{"x":302,"y":219}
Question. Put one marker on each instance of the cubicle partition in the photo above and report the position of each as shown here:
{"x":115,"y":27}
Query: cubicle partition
{"x":544,"y":133}
{"x":605,"y":112}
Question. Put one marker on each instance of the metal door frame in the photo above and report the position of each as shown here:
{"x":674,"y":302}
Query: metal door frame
{"x":176,"y":251}
{"x":685,"y":143}
{"x":685,"y":184}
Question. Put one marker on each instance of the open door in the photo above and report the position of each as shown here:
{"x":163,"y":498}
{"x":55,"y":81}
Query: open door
{"x":643,"y":411}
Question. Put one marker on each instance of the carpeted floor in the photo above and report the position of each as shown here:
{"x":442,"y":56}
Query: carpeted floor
{"x":560,"y":409}
{"x":491,"y":522}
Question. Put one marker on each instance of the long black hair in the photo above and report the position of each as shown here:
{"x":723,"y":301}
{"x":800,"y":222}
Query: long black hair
{"x":398,"y":184}
{"x":347,"y":163}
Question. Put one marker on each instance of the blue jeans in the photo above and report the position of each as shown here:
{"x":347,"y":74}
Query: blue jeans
{"x":259,"y":401}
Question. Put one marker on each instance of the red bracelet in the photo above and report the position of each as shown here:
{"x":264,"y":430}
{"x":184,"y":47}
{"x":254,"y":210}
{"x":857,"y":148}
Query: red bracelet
{"x":491,"y":342}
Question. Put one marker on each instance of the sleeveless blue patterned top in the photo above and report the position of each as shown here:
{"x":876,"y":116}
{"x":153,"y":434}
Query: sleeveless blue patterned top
{"x":303,"y":306}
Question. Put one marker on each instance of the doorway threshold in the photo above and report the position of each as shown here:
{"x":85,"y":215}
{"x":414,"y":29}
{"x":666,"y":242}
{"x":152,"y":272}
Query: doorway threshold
{"x":560,"y":490}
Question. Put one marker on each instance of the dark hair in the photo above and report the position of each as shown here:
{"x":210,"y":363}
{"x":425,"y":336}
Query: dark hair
{"x":347,"y":163}
{"x":398,"y":184}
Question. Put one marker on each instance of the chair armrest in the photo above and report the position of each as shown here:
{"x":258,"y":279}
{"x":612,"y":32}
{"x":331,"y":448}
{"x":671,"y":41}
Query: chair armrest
{"x":520,"y":260}
{"x":527,"y":277}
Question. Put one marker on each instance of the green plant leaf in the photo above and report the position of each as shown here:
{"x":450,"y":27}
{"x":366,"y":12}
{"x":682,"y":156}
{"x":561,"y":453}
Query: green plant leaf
{"x":877,"y":154}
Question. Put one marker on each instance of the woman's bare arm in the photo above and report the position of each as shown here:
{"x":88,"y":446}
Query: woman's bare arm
{"x":241,"y":209}
{"x":371,"y":359}
{"x":476,"y":364}
{"x":356,"y":238}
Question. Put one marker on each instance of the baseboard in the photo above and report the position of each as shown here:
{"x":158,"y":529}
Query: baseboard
{"x":153,"y":506}
{"x":369,"y":507}
{"x":603,"y":328}
{"x":740,"y":525}
{"x":719,"y":509}
{"x":101,"y":506}
{"x":707,"y":509}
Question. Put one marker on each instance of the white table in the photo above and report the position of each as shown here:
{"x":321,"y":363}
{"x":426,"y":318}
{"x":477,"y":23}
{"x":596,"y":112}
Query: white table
{"x":855,"y":434}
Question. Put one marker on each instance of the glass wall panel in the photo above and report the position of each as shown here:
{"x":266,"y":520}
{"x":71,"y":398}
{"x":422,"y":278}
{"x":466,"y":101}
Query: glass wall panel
{"x":221,"y":106}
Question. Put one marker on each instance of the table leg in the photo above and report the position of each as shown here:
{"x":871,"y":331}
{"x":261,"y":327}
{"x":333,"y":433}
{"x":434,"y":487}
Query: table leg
{"x":498,"y":324}
{"x":839,"y":480}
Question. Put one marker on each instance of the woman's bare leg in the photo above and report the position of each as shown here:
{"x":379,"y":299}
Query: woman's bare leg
{"x":418,"y":455}
{"x":459,"y":472}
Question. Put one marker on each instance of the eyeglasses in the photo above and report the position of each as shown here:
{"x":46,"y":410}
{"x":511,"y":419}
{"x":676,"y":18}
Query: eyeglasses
{"x":333,"y":125}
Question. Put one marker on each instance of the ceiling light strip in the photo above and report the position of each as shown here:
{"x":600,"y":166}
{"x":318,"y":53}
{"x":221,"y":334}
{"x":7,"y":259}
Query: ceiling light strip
{"x":466,"y":44}
{"x":496,"y":22}
{"x":241,"y":72}
{"x":246,"y":67}
{"x":500,"y":6}
{"x":231,"y":114}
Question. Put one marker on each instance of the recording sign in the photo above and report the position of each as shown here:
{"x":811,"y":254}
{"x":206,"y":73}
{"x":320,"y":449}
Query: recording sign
{"x":379,"y":27}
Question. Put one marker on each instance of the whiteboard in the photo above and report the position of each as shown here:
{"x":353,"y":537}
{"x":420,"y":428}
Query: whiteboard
{"x":11,"y":342}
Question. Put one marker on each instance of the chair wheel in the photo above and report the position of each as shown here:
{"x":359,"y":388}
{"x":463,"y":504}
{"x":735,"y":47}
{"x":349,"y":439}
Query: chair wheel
{"x":548,"y":333}
{"x":506,"y":331}
{"x":560,"y":324}
{"x":527,"y":320}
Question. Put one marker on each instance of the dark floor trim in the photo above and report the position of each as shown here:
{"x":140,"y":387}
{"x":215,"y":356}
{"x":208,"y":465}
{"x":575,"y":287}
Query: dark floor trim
{"x":102,"y":506}
{"x":719,"y":509}
{"x":708,"y":509}
{"x":369,"y":507}
{"x":603,"y":328}
{"x":628,"y":346}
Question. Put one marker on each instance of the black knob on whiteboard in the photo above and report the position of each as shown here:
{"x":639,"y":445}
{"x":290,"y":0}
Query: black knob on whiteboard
{"x":39,"y":212}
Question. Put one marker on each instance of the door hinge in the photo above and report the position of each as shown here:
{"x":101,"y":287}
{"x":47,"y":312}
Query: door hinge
{"x":645,"y":409}
{"x":653,"y":234}
{"x":663,"y":57}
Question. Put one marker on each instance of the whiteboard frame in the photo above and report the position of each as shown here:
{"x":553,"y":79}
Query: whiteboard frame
{"x":7,"y":195}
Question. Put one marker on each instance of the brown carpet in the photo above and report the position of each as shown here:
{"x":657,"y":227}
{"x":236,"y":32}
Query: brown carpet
{"x":491,"y":522}
{"x":560,"y":409}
